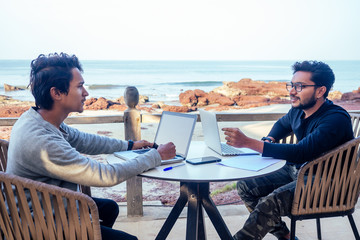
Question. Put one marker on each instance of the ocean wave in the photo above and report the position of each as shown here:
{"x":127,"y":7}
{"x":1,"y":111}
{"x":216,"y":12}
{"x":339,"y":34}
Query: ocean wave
{"x":105,"y":86}
{"x":191,"y":83}
{"x":194,"y":83}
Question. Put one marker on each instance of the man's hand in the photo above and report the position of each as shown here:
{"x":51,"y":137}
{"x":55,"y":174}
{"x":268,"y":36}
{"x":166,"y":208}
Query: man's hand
{"x":235,"y":137}
{"x":141,"y":144}
{"x":167,"y":151}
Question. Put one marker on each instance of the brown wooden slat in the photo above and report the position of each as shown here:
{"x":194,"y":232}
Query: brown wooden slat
{"x":355,"y":120}
{"x":4,"y":145}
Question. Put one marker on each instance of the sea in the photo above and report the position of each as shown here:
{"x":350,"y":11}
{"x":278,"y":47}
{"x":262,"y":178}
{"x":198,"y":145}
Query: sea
{"x":165,"y":80}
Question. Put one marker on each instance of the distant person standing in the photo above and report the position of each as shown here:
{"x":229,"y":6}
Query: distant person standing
{"x":43,"y":148}
{"x":319,"y":126}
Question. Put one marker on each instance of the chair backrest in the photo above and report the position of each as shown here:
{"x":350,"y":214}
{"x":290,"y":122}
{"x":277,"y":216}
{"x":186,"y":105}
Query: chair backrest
{"x":332,"y":182}
{"x":355,"y":120}
{"x":290,"y":139}
{"x":56,"y":213}
{"x":85,"y":189}
{"x":4,"y":145}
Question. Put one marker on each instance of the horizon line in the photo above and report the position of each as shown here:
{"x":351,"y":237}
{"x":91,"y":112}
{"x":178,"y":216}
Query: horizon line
{"x":187,"y":60}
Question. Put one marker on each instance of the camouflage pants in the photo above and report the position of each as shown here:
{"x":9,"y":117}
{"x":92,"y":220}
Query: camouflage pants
{"x":267,"y":198}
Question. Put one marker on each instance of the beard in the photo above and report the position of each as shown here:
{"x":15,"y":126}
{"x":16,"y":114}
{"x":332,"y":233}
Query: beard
{"x":307,"y":104}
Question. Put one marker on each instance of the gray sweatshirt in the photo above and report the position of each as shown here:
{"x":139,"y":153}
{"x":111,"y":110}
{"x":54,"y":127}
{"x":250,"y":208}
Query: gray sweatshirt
{"x":40,"y":151}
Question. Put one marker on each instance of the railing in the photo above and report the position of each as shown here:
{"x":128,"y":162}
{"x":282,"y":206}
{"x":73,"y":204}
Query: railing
{"x":132,"y":120}
{"x":155,"y":117}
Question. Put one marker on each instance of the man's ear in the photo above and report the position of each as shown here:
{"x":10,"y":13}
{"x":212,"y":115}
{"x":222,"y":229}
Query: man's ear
{"x":55,"y":94}
{"x":320,"y":91}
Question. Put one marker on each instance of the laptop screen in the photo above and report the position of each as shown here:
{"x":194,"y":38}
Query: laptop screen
{"x":177,"y":128}
{"x":210,"y":130}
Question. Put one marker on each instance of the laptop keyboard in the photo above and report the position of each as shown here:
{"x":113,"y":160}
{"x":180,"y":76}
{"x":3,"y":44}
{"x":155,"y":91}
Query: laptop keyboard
{"x":229,"y":150}
{"x":141,"y":151}
{"x":177,"y":158}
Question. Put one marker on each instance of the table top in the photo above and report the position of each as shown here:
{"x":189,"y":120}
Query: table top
{"x":211,"y":172}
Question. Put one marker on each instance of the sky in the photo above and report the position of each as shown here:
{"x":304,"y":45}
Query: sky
{"x":182,"y":29}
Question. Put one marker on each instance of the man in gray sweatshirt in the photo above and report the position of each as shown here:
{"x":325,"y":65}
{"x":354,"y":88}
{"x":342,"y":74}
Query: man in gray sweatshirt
{"x":45,"y":149}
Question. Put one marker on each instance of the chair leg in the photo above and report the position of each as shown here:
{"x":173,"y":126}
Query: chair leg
{"x":353,"y":226}
{"x":318,"y":228}
{"x":292,"y":229}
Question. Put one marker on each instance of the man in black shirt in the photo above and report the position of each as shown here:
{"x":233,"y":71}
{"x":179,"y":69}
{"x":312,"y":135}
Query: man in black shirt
{"x":318,"y":124}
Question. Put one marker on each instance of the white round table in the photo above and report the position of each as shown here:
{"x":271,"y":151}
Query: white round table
{"x":194,"y":190}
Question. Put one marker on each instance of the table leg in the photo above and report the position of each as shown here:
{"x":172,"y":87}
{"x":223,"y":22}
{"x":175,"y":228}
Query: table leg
{"x":197,"y":195}
{"x":201,"y":224}
{"x":195,"y":229}
{"x":214,"y":213}
{"x":174,"y":214}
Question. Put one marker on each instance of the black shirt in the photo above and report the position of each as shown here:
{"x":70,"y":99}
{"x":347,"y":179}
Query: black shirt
{"x":328,"y":127}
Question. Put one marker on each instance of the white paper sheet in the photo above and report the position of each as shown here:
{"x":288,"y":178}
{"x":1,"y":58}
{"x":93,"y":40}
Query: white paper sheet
{"x":250,"y":162}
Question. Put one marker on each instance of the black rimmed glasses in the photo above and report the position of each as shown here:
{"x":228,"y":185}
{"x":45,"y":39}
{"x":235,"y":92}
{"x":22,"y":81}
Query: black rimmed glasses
{"x":298,"y":86}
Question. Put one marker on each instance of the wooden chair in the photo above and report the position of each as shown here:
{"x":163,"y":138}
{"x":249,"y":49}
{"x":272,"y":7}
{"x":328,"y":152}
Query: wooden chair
{"x":290,"y":139}
{"x":56,"y":213}
{"x":332,"y":187}
{"x":355,"y":120}
{"x":4,"y":145}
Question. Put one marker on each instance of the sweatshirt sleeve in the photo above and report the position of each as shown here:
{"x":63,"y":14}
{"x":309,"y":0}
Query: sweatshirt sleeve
{"x":286,"y":124}
{"x":281,"y":128}
{"x":92,"y":144}
{"x":58,"y":159}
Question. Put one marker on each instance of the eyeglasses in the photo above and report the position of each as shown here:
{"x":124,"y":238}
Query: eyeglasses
{"x":298,"y":86}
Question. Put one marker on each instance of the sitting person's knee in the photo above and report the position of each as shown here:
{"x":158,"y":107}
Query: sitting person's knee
{"x":113,"y":205}
{"x":241,"y":187}
{"x":112,"y":208}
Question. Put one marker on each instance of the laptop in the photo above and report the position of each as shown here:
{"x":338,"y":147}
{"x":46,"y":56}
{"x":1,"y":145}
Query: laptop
{"x":212,"y":137}
{"x":173,"y":127}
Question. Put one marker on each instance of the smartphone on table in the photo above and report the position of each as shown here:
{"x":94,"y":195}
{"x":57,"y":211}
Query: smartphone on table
{"x":203,"y":160}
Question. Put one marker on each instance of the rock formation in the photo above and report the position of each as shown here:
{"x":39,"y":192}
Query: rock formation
{"x":245,"y":93}
{"x":8,"y":88}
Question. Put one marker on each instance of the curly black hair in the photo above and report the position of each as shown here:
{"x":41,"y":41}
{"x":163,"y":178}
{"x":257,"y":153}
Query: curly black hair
{"x":53,"y":70}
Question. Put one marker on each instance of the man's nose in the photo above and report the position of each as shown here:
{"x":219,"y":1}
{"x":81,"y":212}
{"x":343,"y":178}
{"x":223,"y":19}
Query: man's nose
{"x":292,"y":91}
{"x":85,"y":93}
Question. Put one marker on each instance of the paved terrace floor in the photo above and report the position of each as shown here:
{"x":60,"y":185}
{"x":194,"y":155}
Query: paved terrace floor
{"x":147,"y":227}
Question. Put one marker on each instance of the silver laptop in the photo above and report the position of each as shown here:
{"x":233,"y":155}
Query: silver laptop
{"x":173,"y":127}
{"x":212,"y":137}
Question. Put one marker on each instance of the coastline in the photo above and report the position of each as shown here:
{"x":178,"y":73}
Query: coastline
{"x":231,"y":96}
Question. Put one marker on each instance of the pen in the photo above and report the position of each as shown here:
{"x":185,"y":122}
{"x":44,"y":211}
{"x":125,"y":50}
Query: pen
{"x":169,"y":168}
